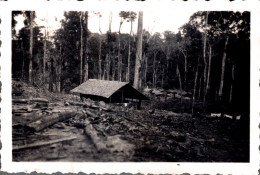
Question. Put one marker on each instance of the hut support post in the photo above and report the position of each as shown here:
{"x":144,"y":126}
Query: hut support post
{"x":139,"y":104}
{"x":122,"y":95}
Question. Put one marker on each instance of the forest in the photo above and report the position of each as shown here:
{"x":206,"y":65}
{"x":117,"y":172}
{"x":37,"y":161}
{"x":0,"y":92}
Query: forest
{"x":207,"y":61}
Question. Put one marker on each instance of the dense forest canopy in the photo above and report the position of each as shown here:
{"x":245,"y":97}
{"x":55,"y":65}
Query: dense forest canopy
{"x":209,"y":56}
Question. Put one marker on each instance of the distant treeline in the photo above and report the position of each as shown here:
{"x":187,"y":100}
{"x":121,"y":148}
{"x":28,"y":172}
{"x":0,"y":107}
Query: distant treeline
{"x":209,"y":56}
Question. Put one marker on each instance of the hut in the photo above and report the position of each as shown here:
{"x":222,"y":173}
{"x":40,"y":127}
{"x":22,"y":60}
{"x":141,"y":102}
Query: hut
{"x":110,"y":92}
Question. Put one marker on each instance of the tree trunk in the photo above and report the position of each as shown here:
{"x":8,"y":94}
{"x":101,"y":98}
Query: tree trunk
{"x":208,"y":78}
{"x":44,"y":57}
{"x":180,"y":83}
{"x":129,"y":53}
{"x":85,"y":77}
{"x":113,"y":64}
{"x":232,"y":81}
{"x":200,"y":85}
{"x":81,"y":49}
{"x":138,"y":58}
{"x":223,"y":71}
{"x":51,"y":76}
{"x":59,"y":70}
{"x":154,"y":69}
{"x":205,"y":63}
{"x":31,"y":46}
{"x":185,"y":71}
{"x":119,"y":63}
{"x":23,"y":60}
{"x":195,"y":87}
{"x":145,"y":71}
{"x":162,"y":77}
{"x":99,"y":52}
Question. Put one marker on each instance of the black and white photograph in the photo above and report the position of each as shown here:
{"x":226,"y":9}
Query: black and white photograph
{"x":130,"y":89}
{"x":137,"y":86}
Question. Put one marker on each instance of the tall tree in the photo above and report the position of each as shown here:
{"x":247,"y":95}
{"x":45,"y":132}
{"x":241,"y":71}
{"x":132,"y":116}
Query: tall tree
{"x":138,"y":58}
{"x":85,"y":78}
{"x":32,"y":13}
{"x":220,"y":92}
{"x":81,"y":48}
{"x":205,"y":62}
{"x":100,"y":45}
{"x":123,"y":15}
{"x":131,"y":17}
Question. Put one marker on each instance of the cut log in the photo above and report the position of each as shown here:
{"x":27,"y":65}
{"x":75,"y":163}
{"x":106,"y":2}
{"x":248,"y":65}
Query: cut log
{"x":49,"y":120}
{"x":33,"y":100}
{"x":20,"y":101}
{"x":77,"y":103}
{"x":91,"y":132}
{"x":41,"y":100}
{"x":42,"y":143}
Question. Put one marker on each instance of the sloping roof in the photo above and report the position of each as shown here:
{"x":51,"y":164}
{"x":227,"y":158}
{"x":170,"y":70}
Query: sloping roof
{"x":101,"y":88}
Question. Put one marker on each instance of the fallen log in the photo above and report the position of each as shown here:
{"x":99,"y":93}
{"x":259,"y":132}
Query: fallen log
{"x":91,"y":132}
{"x":41,"y":100}
{"x":77,"y":103}
{"x":24,"y":101}
{"x":42,"y":143}
{"x":49,"y":120}
{"x":89,"y":105}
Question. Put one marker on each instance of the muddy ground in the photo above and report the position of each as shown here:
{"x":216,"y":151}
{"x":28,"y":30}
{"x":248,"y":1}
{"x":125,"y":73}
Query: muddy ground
{"x":159,"y":132}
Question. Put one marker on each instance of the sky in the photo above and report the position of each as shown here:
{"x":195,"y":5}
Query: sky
{"x":153,"y":21}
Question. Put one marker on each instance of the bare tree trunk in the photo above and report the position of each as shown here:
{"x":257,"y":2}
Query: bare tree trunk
{"x":162,"y":77}
{"x":113,"y":64}
{"x":85,"y":77}
{"x":99,"y":59}
{"x":107,"y":66}
{"x":154,"y":70}
{"x":145,"y":72}
{"x":81,"y":49}
{"x":185,"y":67}
{"x":180,"y":83}
{"x":23,"y":59}
{"x":44,"y":57}
{"x":185,"y":71}
{"x":232,"y":81}
{"x":119,"y":63}
{"x":195,"y":87}
{"x":31,"y":46}
{"x":205,"y":62}
{"x":51,"y":76}
{"x":208,"y":78}
{"x":129,"y":53}
{"x":138,"y":58}
{"x":200,"y":85}
{"x":59,"y":71}
{"x":223,"y":71}
{"x":99,"y":52}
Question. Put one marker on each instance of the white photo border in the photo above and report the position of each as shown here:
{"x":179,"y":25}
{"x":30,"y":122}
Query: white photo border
{"x":252,"y":167}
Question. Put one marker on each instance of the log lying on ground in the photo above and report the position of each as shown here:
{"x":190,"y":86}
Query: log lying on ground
{"x":108,"y":143}
{"x":89,"y":105}
{"x":41,"y":100}
{"x":77,"y":103}
{"x":20,"y":101}
{"x":49,"y":120}
{"x":33,"y":100}
{"x":91,"y":132}
{"x":42,"y":143}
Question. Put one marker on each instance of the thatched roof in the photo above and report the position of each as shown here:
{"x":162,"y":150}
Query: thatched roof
{"x":100,"y":88}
